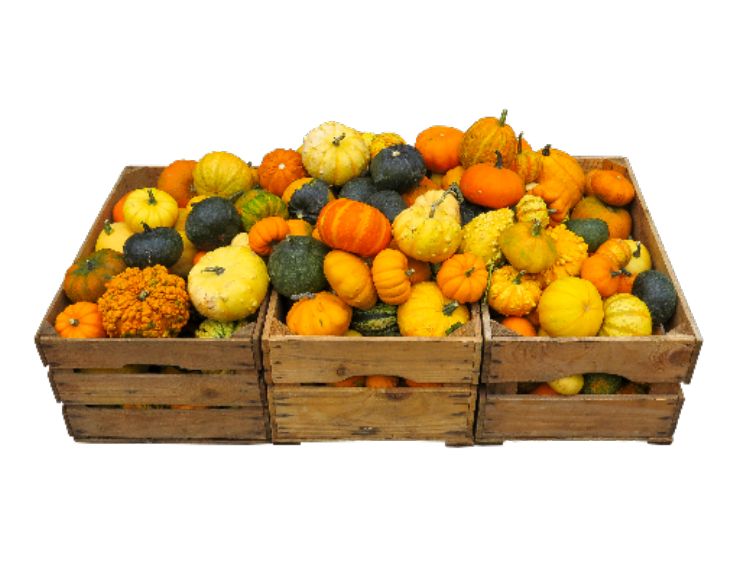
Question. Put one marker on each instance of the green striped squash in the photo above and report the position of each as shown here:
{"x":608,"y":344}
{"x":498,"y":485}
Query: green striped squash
{"x":380,"y":320}
{"x":258,"y":204}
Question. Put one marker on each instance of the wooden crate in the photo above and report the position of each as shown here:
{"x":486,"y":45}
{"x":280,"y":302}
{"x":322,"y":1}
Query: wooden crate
{"x":220,"y":378}
{"x":504,"y":415}
{"x":302,"y":411}
{"x":665,"y":357}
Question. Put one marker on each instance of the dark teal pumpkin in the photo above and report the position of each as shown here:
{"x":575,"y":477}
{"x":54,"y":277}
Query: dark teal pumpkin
{"x":295,"y":265}
{"x":399,"y":167}
{"x":388,"y":202}
{"x":307,"y":201}
{"x":212,"y":223}
{"x":153,"y":246}
{"x":358,"y":189}
{"x":657,"y":291}
{"x":593,"y":231}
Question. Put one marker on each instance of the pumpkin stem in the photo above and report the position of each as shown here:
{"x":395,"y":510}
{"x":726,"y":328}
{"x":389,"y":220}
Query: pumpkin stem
{"x":450,"y":308}
{"x":302,"y":296}
{"x":146,"y":227}
{"x":217,"y":269}
{"x":452,"y":190}
{"x":337,"y":140}
{"x":519,"y":277}
{"x":108,"y":227}
{"x":74,"y":322}
{"x":469,"y":271}
{"x":151,"y":198}
{"x":503,"y":115}
{"x":452,"y":328}
{"x":411,"y":271}
{"x":536,"y":227}
{"x":90,"y":265}
{"x":546,"y":149}
{"x":520,"y":144}
{"x":637,"y":252}
{"x":499,"y":160}
{"x":143,"y":295}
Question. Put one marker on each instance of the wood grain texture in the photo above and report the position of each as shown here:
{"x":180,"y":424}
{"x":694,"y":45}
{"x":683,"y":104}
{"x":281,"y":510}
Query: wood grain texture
{"x":670,"y":356}
{"x":309,"y":413}
{"x":287,"y":358}
{"x":237,"y":389}
{"x":650,"y":417}
{"x":97,"y":423}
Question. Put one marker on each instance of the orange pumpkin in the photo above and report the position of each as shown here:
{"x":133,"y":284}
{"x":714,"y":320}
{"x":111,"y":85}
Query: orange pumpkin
{"x":452,"y":176}
{"x":350,"y":382}
{"x":87,"y":278}
{"x":463,"y":278}
{"x":617,"y":250}
{"x":177,"y":180}
{"x":265,"y":233}
{"x":528,"y":163}
{"x":415,"y":384}
{"x":355,"y":227}
{"x":610,"y":186}
{"x":279,"y":168}
{"x":618,"y":219}
{"x":484,"y":138}
{"x":544,"y":390}
{"x":80,"y":320}
{"x":390,"y":275}
{"x":418,"y":270}
{"x":439,"y":147}
{"x":519,"y":324}
{"x":381,"y":381}
{"x":560,"y":165}
{"x":492,"y":186}
{"x":118,"y":213}
{"x":603,"y":273}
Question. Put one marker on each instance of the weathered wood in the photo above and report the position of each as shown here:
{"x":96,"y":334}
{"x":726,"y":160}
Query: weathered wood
{"x":651,"y":417}
{"x":309,"y":413}
{"x":216,"y":389}
{"x":669,"y":356}
{"x":288,"y":358}
{"x":101,"y":423}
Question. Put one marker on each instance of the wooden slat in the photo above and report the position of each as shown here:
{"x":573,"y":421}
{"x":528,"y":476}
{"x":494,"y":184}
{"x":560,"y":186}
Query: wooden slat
{"x":92,"y":423}
{"x":240,"y":389}
{"x":308,"y":413}
{"x":519,"y":417}
{"x":308,"y":359}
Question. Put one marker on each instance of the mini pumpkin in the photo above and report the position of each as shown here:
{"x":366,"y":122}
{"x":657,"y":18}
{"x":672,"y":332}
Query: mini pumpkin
{"x":149,"y":206}
{"x":618,"y":251}
{"x":257,"y":204}
{"x":484,"y":138}
{"x":113,"y":236}
{"x":561,"y":166}
{"x":428,"y":313}
{"x":440,"y":147}
{"x":80,"y":320}
{"x":319,"y":314}
{"x":177,"y":180}
{"x":528,"y":247}
{"x":570,"y":307}
{"x":223,"y":174}
{"x":355,"y":227}
{"x":603,"y":273}
{"x":87,"y":278}
{"x":391,"y":276}
{"x":279,"y":168}
{"x":463,"y":278}
{"x":350,"y":278}
{"x":334,"y":153}
{"x":640,"y":258}
{"x":399,"y":167}
{"x":528,"y":163}
{"x":625,"y":315}
{"x":492,"y":186}
{"x":513,"y":292}
{"x":265,"y":233}
{"x":612,"y":187}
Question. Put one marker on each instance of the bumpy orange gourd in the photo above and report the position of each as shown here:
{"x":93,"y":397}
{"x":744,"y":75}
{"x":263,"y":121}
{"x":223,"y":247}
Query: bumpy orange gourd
{"x":463,"y":278}
{"x":486,"y":136}
{"x":265,"y":233}
{"x":618,"y":219}
{"x":558,"y":196}
{"x":390,"y":275}
{"x":512,"y":292}
{"x":571,"y":249}
{"x":440,"y":147}
{"x":80,"y":320}
{"x":177,"y":180}
{"x":148,"y":303}
{"x":319,"y":314}
{"x":279,"y":168}
{"x":350,"y":278}
{"x":492,"y":186}
{"x":610,"y":186}
{"x":355,"y":227}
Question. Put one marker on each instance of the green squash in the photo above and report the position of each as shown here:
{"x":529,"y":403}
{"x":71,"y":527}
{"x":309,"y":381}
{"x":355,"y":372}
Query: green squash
{"x":601,"y":383}
{"x":380,"y":320}
{"x":307,"y":201}
{"x":358,"y":189}
{"x":257,"y":204}
{"x":295,"y":266}
{"x":387,"y":202}
{"x":399,"y":167}
{"x":212,"y":223}
{"x":213,"y":329}
{"x":161,"y":245}
{"x":593,"y":231}
{"x":657,"y":291}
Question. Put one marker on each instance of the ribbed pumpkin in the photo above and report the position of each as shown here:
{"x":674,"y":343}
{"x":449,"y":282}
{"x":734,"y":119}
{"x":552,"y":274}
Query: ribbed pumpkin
{"x":625,"y":315}
{"x":570,"y":307}
{"x":399,"y":167}
{"x":463,"y":278}
{"x":355,"y":227}
{"x":296,"y":265}
{"x":528,"y":163}
{"x":492,"y":185}
{"x":279,"y":168}
{"x":334,"y":153}
{"x":603,"y":273}
{"x":428,"y":313}
{"x":319,"y":314}
{"x":618,"y":219}
{"x":222,"y":174}
{"x":560,"y":165}
{"x":149,"y":206}
{"x":87,"y":278}
{"x":486,"y":136}
{"x":350,"y":278}
{"x":308,"y":200}
{"x":80,"y":320}
{"x":440,"y":147}
{"x":390,"y":275}
{"x":528,"y":247}
{"x":610,"y":186}
{"x":257,"y":204}
{"x":513,"y":292}
{"x":618,"y":251}
{"x":177,"y":180}
{"x":265,"y":233}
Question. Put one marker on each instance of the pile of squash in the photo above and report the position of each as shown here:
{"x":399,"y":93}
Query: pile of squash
{"x":365,"y":234}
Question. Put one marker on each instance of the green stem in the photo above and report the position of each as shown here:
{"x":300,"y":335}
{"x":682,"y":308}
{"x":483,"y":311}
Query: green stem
{"x":536,"y":228}
{"x":452,"y":190}
{"x":411,"y":271}
{"x":450,"y":308}
{"x":151,"y":199}
{"x":108,"y":227}
{"x":546,"y":149}
{"x":503,"y":115}
{"x":469,"y":271}
{"x":337,"y":140}
{"x":452,"y":328}
{"x":218,"y":270}
{"x":143,"y":295}
{"x":519,"y":277}
{"x":637,"y":253}
{"x":520,"y":144}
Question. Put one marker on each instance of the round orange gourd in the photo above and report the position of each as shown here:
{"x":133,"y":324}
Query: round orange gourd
{"x":439,"y":146}
{"x":512,"y":292}
{"x":570,"y":307}
{"x":418,"y":270}
{"x":319,"y":314}
{"x":265,"y":233}
{"x":390,"y":275}
{"x":603,"y":273}
{"x":177,"y":180}
{"x":486,"y":136}
{"x":492,"y":186}
{"x":520,"y":325}
{"x":610,"y":186}
{"x":463,"y":278}
{"x":618,"y":219}
{"x":87,"y":278}
{"x":350,"y":277}
{"x":279,"y":168}
{"x":80,"y":320}
{"x":355,"y":227}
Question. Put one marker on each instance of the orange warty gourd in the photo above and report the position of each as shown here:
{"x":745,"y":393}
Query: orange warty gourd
{"x":279,"y":168}
{"x":80,"y":320}
{"x":345,"y":224}
{"x":558,"y":196}
{"x":492,"y":186}
{"x":463,"y":278}
{"x":177,"y":180}
{"x":265,"y":233}
{"x":618,"y":219}
{"x":618,"y":251}
{"x":439,"y":147}
{"x":486,"y":136}
{"x":610,"y":186}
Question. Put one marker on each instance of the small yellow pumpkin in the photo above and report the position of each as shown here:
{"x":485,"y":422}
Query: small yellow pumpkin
{"x":113,"y":236}
{"x":625,"y":315}
{"x":149,"y":206}
{"x":512,"y":292}
{"x":222,"y":174}
{"x":350,"y":278}
{"x":319,"y":314}
{"x":335,"y":153}
{"x":640,"y":259}
{"x":428,"y":313}
{"x":570,"y":307}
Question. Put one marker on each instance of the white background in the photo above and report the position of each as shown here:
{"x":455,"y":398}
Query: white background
{"x":87,"y":89}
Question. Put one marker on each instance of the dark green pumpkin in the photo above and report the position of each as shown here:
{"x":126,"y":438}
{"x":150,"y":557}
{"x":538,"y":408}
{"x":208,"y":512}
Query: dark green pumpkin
{"x":358,"y":189}
{"x":601,"y":383}
{"x":657,"y":291}
{"x":212,"y":223}
{"x":307,"y":201}
{"x":153,"y":246}
{"x":258,"y":204}
{"x":399,"y":167}
{"x":593,"y":231}
{"x":380,"y":320}
{"x":388,"y":202}
{"x":470,"y":211}
{"x":295,"y":265}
